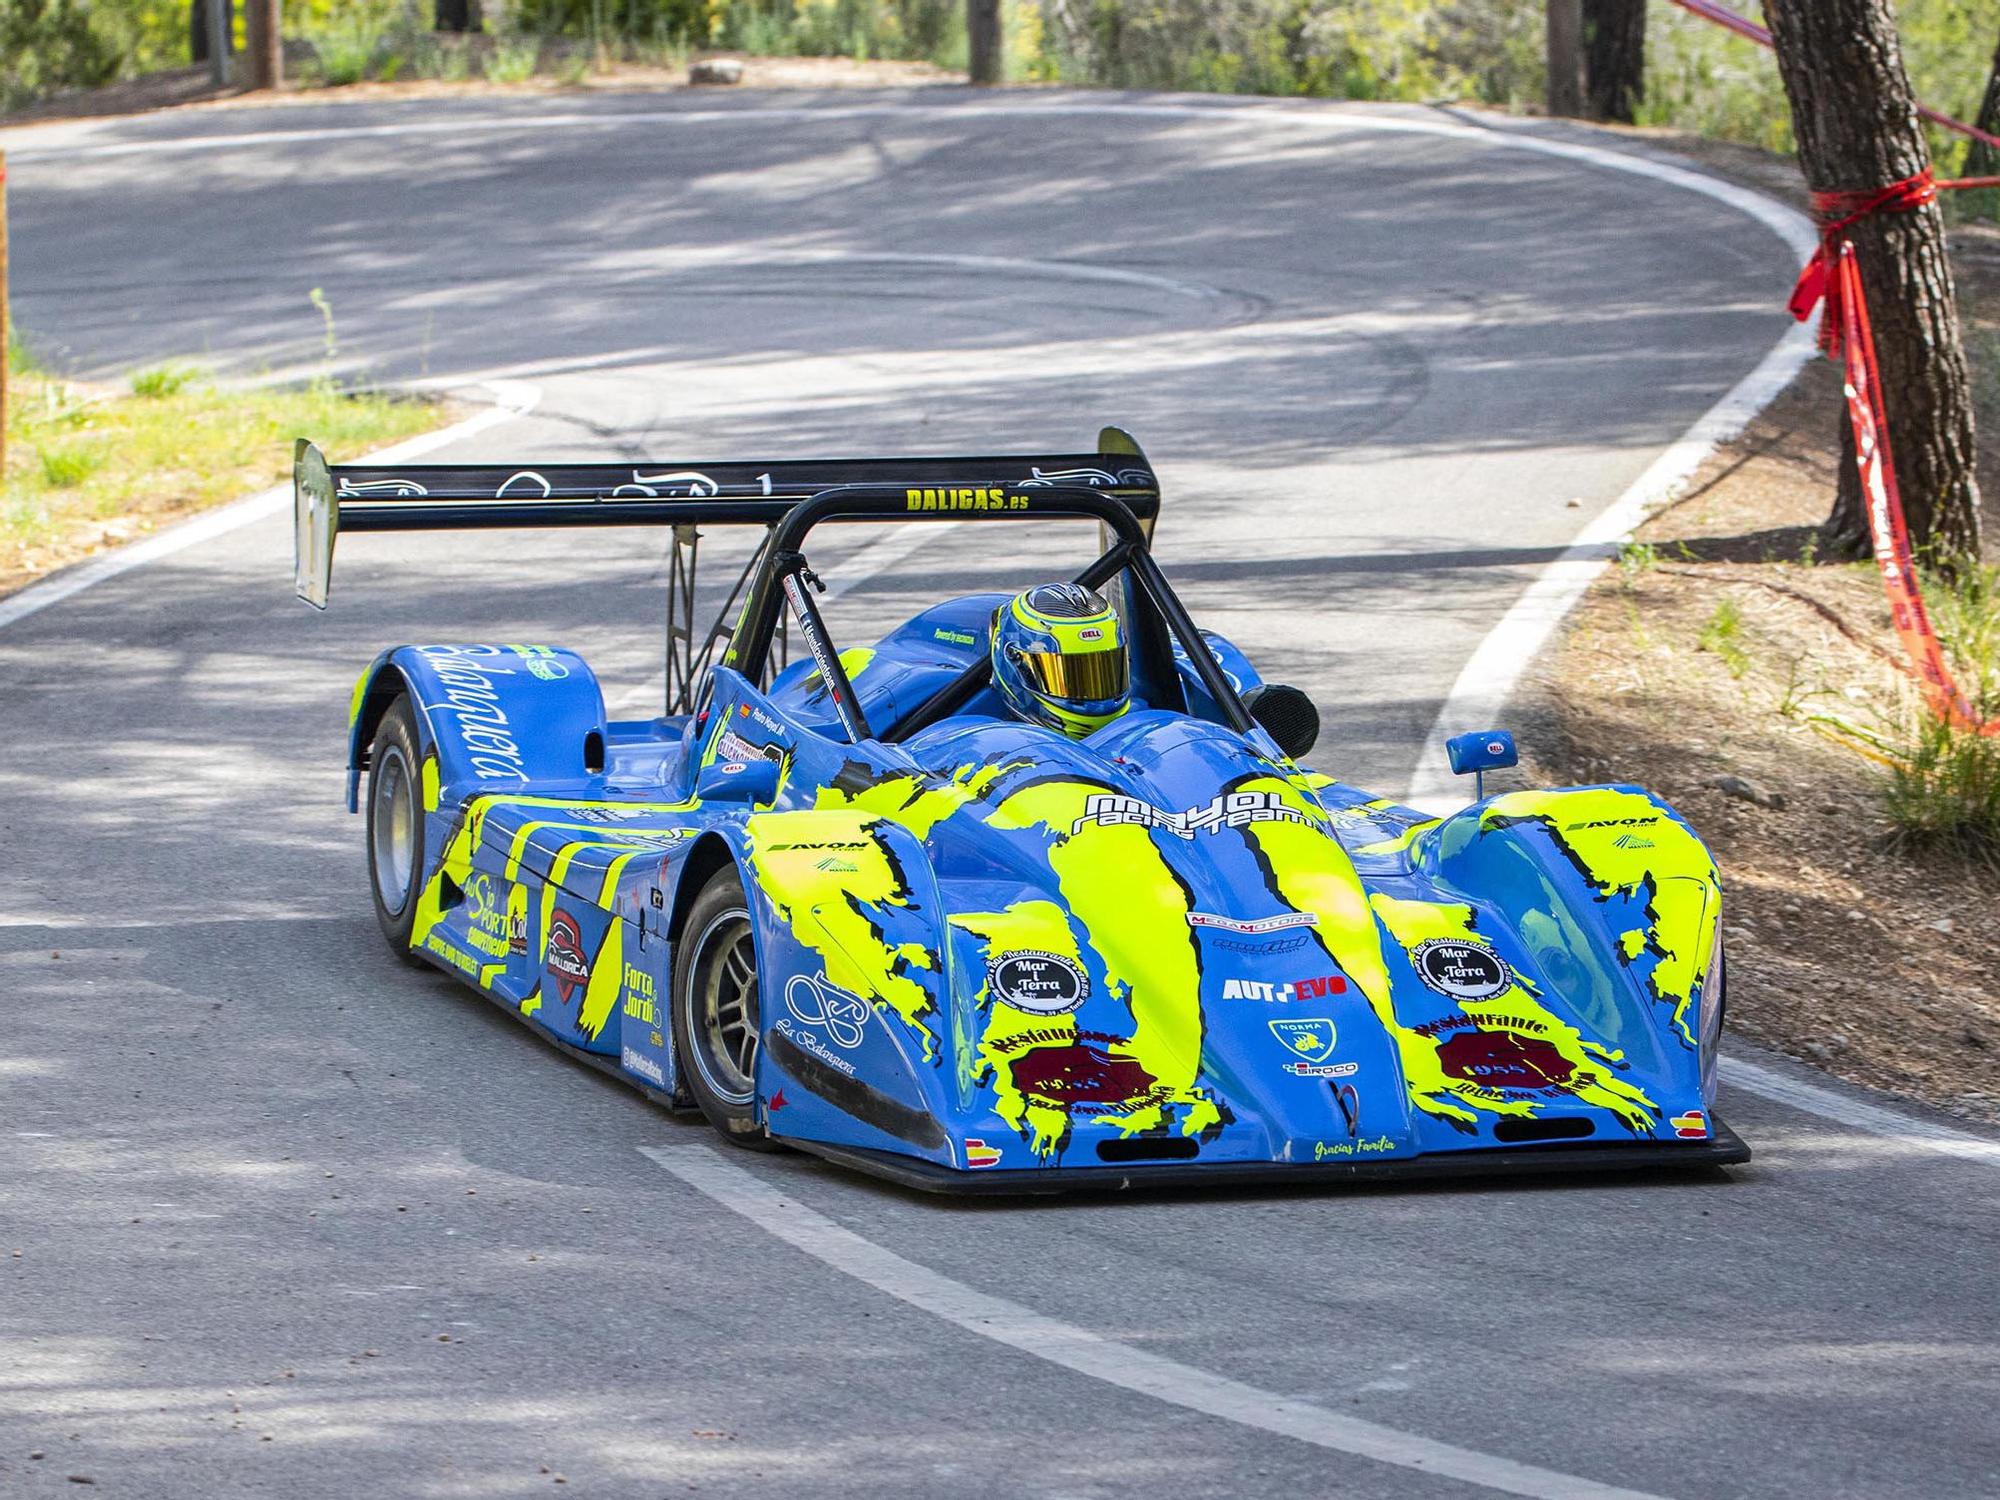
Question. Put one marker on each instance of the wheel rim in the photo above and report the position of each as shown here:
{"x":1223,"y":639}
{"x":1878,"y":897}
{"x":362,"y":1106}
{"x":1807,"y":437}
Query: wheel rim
{"x":393,"y":829}
{"x":723,"y":977}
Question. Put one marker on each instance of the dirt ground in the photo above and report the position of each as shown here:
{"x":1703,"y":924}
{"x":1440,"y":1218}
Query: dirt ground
{"x":182,"y":88}
{"x":1870,"y":962}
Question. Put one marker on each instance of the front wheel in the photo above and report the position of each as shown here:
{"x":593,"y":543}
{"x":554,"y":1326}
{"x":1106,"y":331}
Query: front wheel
{"x":396,"y":826}
{"x":715,"y":1016}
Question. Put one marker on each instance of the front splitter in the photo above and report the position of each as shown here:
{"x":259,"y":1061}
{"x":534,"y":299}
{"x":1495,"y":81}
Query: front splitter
{"x":1725,"y":1148}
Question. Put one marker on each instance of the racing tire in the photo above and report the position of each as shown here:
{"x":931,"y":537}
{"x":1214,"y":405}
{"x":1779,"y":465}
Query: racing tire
{"x":715,"y":1016}
{"x":395,"y":821}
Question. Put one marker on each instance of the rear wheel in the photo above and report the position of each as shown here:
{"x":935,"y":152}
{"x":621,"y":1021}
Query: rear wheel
{"x":715,"y":1015}
{"x":396,"y":826}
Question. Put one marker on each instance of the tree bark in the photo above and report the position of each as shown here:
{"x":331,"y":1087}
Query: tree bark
{"x":982,"y":34}
{"x":1614,"y":58}
{"x":265,"y":42}
{"x":1565,"y":53}
{"x":1857,"y":129}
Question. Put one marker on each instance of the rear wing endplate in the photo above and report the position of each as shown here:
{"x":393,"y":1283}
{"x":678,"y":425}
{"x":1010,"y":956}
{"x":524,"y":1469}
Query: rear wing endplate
{"x":329,"y":499}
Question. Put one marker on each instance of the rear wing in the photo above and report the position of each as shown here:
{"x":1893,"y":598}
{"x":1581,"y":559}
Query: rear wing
{"x":329,"y":499}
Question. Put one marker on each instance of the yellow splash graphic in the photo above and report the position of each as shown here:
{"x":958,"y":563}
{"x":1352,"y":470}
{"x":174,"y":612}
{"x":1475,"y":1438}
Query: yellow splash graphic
{"x":917,"y":802}
{"x":822,"y":872}
{"x":1592,"y":1078}
{"x":1133,"y":911}
{"x":1624,"y":844}
{"x":1034,"y":926}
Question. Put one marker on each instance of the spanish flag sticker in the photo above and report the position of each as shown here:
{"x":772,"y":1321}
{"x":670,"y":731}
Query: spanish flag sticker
{"x":1692,"y":1126}
{"x":979,"y":1154}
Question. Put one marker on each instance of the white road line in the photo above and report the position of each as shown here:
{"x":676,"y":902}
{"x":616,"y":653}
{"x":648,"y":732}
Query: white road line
{"x":1115,"y":1363}
{"x":1858,"y":1114}
{"x":513,"y":399}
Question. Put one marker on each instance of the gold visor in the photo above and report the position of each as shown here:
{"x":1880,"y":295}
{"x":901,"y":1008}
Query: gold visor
{"x":1079,"y":677}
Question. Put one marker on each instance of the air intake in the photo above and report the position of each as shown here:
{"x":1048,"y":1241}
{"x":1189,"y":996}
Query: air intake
{"x":1517,"y":1132}
{"x":1149,"y":1148}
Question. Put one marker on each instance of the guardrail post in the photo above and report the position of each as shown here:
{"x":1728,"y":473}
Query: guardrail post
{"x":267,"y":52}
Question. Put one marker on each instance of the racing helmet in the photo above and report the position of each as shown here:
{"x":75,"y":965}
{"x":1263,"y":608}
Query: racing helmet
{"x":1059,"y":660}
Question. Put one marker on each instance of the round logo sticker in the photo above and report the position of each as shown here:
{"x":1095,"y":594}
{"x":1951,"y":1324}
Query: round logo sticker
{"x":1463,"y":970}
{"x":1042,"y":984}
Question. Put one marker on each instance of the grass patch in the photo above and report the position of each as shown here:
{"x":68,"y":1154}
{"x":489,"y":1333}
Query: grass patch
{"x":1943,"y":783}
{"x":1722,"y":635}
{"x":89,"y":466}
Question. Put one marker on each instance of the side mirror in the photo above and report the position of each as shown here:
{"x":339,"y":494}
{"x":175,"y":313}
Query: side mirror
{"x":754,"y":781}
{"x":1286,"y":715}
{"x":1479,"y":752}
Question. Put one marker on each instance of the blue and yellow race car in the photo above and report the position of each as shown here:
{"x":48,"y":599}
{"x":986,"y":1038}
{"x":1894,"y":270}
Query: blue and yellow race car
{"x":862,"y":905}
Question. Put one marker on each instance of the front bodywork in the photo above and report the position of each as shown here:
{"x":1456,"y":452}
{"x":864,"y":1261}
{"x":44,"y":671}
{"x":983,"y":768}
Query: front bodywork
{"x":993,"y":958}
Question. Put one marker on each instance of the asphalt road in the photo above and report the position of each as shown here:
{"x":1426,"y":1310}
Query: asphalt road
{"x":281,"y":1217}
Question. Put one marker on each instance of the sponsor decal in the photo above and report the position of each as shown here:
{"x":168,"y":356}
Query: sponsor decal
{"x":1068,"y":1076}
{"x":1692,"y":1126}
{"x":465,"y":963}
{"x":1322,"y":1070}
{"x":963,"y":499}
{"x":1631,"y":841}
{"x":1461,"y":969}
{"x":818,"y":1003}
{"x":658,"y":899}
{"x":1253,"y":925}
{"x":813,"y":1042}
{"x":1311,"y":988}
{"x":379,"y":489}
{"x":1324,"y":1149}
{"x":758,"y":717}
{"x":1312,"y":1040}
{"x":777,"y":1102}
{"x":978,"y":1154}
{"x":729,"y":745}
{"x":955,"y":637}
{"x":566,"y":957}
{"x":825,"y":844}
{"x":1504,"y":1060}
{"x":1094,"y":478}
{"x":1645,"y":822}
{"x":540,"y":661}
{"x":486,"y":921}
{"x":466,"y":674}
{"x":681,"y":484}
{"x":1042,"y":984}
{"x":833,"y":864}
{"x":1229,"y":810}
{"x":1021,"y":1039}
{"x":1496,"y":747}
{"x":1262,"y":947}
{"x":1090,"y":633}
{"x":640,"y":999}
{"x":525,"y":478}
{"x":517,"y":919}
{"x":644,"y":1066}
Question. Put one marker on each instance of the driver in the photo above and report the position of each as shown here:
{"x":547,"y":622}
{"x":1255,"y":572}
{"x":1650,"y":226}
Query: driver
{"x":1059,"y":660}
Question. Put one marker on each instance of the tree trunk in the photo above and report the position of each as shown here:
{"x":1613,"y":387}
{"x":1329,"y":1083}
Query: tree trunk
{"x":1857,"y":129}
{"x":1565,"y":53}
{"x":266,"y":44}
{"x":1982,"y":160}
{"x":198,"y":31}
{"x":458,"y":15}
{"x":1614,"y":58}
{"x":982,"y":35}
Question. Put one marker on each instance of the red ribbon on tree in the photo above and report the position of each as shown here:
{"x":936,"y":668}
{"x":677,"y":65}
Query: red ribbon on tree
{"x":1833,"y":276}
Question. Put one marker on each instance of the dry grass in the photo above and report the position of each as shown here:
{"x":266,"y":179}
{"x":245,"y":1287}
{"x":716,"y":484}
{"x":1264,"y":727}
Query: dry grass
{"x":89,"y":466}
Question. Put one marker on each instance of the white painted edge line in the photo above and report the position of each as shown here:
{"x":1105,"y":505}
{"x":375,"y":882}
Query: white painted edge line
{"x":512,"y":398}
{"x":1858,"y":1114}
{"x":1086,"y":1353}
{"x":1490,"y":676}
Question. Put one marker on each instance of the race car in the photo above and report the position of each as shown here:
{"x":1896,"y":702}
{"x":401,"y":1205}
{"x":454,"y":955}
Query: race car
{"x":860,"y":905}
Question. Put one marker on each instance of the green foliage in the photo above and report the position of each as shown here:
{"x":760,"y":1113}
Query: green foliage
{"x":47,"y":45}
{"x":65,"y":468}
{"x":510,"y":62}
{"x":1943,"y":783}
{"x":1634,"y":559}
{"x":1722,"y":636}
{"x":161,"y":380}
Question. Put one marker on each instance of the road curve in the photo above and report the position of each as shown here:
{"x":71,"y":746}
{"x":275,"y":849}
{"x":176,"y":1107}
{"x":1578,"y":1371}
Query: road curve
{"x":293,"y":1219}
